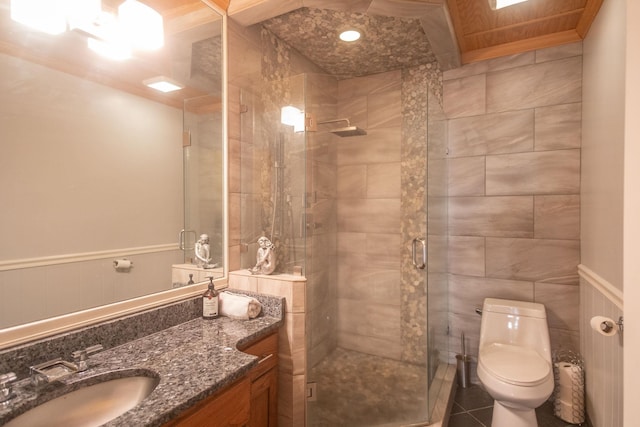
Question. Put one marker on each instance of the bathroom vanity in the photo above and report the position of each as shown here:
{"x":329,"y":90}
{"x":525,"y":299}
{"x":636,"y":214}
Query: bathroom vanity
{"x":205,"y":370}
{"x":251,"y":401}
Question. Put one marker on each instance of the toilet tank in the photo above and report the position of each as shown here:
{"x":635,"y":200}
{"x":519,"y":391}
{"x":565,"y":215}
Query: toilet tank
{"x":517,"y":323}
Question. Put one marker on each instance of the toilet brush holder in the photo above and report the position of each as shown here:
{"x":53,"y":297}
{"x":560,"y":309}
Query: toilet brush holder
{"x":463,"y":370}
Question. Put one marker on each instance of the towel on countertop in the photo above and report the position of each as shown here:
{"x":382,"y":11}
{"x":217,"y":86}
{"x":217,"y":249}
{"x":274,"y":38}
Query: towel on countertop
{"x":241,"y":307}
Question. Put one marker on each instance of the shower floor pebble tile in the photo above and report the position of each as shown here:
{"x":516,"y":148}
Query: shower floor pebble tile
{"x":473,"y":407}
{"x":361,"y":390}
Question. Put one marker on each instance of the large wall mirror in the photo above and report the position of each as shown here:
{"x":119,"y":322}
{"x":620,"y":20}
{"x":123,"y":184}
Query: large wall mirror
{"x":106,"y":183}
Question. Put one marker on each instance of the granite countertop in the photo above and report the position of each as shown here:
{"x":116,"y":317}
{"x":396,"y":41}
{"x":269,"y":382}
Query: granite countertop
{"x":193,"y":360}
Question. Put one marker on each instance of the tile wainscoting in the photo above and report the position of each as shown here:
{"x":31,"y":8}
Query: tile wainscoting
{"x":603,"y":355}
{"x":292,"y":342}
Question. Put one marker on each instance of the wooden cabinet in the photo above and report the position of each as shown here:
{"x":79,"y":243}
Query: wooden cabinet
{"x":264,"y":383}
{"x":251,"y":401}
{"x":229,"y":408}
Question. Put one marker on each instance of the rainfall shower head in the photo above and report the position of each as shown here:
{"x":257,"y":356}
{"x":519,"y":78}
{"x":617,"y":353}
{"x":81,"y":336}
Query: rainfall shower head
{"x":345,"y":131}
{"x":349,"y":131}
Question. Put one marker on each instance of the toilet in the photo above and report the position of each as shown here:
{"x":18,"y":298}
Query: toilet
{"x":514,"y":360}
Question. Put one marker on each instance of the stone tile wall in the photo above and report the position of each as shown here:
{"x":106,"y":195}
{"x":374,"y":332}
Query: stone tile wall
{"x":368,"y":220}
{"x":514,"y":185}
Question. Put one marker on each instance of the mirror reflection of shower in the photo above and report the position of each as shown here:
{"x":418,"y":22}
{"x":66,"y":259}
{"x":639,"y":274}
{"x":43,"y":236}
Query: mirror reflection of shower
{"x":292,"y":116}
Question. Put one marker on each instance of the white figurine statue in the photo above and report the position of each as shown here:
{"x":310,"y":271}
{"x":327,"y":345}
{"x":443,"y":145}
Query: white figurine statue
{"x":203,"y":251}
{"x":265,"y":258}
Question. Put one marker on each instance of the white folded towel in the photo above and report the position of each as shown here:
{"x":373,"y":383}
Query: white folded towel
{"x":241,"y":307}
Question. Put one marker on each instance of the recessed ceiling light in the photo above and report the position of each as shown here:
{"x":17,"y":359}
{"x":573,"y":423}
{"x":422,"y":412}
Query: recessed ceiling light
{"x":163,"y":84}
{"x":499,"y":4}
{"x":349,"y":35}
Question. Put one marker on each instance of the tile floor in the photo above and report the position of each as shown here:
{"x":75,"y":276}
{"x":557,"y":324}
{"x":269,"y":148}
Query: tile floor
{"x":473,"y":407}
{"x":361,"y":390}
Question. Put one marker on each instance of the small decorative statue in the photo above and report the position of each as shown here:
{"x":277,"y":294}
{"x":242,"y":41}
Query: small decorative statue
{"x":266,"y":257}
{"x":203,"y":251}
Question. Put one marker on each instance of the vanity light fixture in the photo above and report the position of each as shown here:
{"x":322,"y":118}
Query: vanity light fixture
{"x":349,"y":35}
{"x":81,"y":12}
{"x":137,"y":26}
{"x":141,"y":24}
{"x":48,"y":16}
{"x":163,"y":84}
{"x":499,"y":4}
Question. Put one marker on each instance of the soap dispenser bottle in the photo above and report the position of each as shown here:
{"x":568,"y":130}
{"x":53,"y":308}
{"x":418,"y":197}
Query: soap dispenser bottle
{"x":210,"y":302}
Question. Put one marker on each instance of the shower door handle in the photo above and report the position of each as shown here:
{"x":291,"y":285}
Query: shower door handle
{"x":182,"y":241}
{"x":423,"y":242}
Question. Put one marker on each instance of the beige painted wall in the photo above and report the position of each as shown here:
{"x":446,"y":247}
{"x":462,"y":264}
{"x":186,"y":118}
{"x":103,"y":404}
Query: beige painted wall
{"x":77,"y":161}
{"x":631,"y":275}
{"x":603,"y":144}
{"x":602,"y":210}
{"x":612,"y":64}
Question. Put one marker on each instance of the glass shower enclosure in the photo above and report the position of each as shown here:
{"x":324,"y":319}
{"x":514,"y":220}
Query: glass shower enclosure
{"x":364,"y":219}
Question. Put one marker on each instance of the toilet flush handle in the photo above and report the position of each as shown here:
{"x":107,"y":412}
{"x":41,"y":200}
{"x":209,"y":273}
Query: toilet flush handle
{"x":478,"y":311}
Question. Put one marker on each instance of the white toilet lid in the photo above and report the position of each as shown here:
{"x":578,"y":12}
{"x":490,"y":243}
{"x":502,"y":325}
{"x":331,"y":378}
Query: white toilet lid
{"x":514,"y":365}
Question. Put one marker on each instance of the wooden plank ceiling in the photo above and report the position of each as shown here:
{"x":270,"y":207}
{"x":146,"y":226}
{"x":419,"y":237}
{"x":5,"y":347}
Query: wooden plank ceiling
{"x":483,"y":33}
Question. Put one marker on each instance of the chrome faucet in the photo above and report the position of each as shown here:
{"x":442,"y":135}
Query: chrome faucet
{"x":59,"y":369}
{"x":6,"y":391}
{"x":81,"y":357}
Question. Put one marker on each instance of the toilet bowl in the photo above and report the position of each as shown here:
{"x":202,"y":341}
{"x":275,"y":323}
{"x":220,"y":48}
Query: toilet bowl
{"x":514,"y":360}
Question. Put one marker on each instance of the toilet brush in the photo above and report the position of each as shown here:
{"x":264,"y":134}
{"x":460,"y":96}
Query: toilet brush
{"x":463,"y":364}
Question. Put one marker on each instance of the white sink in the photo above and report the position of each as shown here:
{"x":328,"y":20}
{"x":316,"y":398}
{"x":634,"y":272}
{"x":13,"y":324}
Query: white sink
{"x":89,"y":406}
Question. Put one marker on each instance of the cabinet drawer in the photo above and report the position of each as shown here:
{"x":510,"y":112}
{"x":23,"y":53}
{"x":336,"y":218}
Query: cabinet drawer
{"x":267,"y":350}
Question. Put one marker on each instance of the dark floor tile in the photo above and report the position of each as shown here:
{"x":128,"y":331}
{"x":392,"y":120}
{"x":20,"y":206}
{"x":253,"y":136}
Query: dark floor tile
{"x":456,"y":409}
{"x":484,"y":415}
{"x":463,"y":420}
{"x":546,"y":417}
{"x":473,"y":407}
{"x":473,"y":397}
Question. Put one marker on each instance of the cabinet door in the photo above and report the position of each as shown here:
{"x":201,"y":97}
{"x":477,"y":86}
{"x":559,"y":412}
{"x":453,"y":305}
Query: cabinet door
{"x":264,"y":400}
{"x":264,"y":383}
{"x":227,"y":409}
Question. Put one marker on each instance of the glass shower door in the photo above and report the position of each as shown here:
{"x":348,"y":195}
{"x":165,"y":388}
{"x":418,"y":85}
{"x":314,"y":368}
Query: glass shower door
{"x":437,"y":243}
{"x":376,"y":324}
